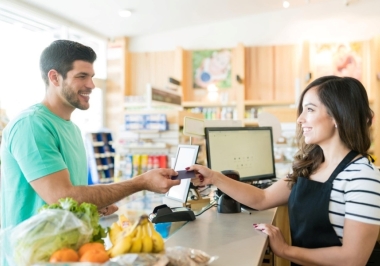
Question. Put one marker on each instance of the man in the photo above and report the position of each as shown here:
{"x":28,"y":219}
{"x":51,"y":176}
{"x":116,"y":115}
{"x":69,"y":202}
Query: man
{"x":43,"y":157}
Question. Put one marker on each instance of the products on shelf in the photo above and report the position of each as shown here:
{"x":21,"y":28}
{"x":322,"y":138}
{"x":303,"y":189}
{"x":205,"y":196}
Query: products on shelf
{"x":101,"y":157}
{"x":216,"y":113}
{"x":142,"y":150}
{"x":251,"y":113}
{"x":136,"y":164}
{"x":146,"y":122}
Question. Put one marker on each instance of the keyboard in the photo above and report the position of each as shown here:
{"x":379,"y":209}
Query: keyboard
{"x":262,"y":183}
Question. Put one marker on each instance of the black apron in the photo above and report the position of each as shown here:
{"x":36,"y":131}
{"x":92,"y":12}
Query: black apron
{"x":309,"y":201}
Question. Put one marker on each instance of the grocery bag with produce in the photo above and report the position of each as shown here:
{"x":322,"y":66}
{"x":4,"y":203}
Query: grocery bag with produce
{"x":68,"y":233}
{"x":62,"y":225}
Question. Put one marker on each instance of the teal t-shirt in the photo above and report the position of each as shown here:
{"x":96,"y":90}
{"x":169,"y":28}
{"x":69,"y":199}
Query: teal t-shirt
{"x":35,"y":144}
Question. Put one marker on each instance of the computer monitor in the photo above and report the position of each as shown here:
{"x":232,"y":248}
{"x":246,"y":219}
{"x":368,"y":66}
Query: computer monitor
{"x":248,"y":150}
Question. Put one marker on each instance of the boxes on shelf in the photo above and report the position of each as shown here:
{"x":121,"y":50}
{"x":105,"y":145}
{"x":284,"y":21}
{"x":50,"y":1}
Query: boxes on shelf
{"x":146,"y":122}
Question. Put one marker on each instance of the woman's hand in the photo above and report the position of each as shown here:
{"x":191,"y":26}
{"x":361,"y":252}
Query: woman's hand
{"x":204,"y":175}
{"x":276,"y":239}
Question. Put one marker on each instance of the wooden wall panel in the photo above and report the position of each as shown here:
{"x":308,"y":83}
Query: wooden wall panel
{"x":188,"y":91}
{"x":179,"y":68}
{"x":285,"y":72}
{"x":259,"y":73}
{"x":238,"y":65}
{"x":366,"y":68}
{"x":304,"y":69}
{"x":153,"y":67}
{"x":138,"y":75}
{"x":116,"y":85}
{"x":375,"y":87}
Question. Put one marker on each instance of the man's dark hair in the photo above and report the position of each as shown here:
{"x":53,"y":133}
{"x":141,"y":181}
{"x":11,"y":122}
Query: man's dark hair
{"x":61,"y":54}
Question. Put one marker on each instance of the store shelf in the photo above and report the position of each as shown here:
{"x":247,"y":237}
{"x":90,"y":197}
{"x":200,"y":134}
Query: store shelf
{"x":101,"y":157}
{"x":146,"y":146}
{"x":267,"y":103}
{"x":146,"y":131}
{"x":207,"y":104}
{"x":251,"y":122}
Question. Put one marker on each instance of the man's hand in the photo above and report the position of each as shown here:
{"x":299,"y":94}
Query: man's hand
{"x":158,"y":180}
{"x":108,"y":210}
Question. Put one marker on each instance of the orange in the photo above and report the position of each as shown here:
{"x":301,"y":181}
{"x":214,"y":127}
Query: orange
{"x":90,"y":246}
{"x":94,"y":255}
{"x":64,"y":255}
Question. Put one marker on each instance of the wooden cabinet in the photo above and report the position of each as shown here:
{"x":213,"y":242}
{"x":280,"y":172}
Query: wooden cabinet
{"x":282,"y":222}
{"x":259,"y":69}
{"x":271,"y":73}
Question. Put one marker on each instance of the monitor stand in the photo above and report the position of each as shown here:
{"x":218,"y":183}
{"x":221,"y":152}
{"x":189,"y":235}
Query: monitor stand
{"x":172,"y":203}
{"x":196,"y":202}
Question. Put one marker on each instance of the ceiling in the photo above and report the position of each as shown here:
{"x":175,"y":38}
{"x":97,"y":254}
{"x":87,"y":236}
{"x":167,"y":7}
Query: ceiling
{"x":152,"y":16}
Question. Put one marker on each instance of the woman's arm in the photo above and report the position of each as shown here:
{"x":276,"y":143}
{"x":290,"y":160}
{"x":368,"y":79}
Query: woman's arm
{"x":260,"y":199}
{"x":358,"y":242}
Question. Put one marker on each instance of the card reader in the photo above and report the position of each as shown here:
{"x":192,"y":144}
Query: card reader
{"x":164,"y":214}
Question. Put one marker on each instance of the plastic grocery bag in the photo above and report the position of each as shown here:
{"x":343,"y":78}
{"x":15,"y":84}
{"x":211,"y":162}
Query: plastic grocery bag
{"x":35,"y":239}
{"x":188,"y":256}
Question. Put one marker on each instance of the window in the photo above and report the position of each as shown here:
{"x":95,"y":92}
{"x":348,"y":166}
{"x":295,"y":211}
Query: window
{"x":23,"y":38}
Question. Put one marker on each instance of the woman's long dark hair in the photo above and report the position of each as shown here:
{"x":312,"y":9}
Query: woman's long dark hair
{"x":347,"y":102}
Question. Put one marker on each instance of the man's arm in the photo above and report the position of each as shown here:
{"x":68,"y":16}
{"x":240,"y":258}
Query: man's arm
{"x":58,"y":185}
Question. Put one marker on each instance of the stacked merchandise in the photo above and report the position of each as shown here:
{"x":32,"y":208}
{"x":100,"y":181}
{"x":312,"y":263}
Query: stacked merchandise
{"x":101,"y":157}
{"x":136,"y":164}
{"x":146,"y":122}
{"x":146,"y":141}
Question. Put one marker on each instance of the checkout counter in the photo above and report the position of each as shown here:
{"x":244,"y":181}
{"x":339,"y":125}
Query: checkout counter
{"x":230,"y":236}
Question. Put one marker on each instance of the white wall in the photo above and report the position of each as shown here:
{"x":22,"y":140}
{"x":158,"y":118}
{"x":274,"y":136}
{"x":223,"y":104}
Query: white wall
{"x":316,"y":22}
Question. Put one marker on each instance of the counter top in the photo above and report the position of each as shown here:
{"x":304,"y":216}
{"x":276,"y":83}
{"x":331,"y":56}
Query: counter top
{"x":231,"y":237}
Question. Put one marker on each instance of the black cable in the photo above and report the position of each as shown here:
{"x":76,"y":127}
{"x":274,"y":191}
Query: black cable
{"x":204,"y":189}
{"x":213,"y":204}
{"x":205,"y":195}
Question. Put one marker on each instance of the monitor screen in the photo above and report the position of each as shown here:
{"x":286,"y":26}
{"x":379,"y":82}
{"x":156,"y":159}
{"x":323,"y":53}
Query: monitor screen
{"x":248,"y":150}
{"x":186,"y":156}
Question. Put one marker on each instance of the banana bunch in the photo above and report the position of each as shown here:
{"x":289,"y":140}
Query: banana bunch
{"x":140,"y":238}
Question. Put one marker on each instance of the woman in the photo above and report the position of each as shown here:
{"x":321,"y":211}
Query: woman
{"x":333,"y":192}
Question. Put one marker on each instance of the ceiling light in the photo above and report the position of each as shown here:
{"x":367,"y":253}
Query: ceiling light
{"x":285,"y":4}
{"x":124,"y":13}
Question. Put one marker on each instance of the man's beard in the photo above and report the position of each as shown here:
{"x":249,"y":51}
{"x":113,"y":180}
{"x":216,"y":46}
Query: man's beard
{"x":72,"y":97}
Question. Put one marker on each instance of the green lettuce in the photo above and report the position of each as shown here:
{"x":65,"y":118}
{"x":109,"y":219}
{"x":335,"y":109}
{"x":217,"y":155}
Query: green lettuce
{"x":63,"y":224}
{"x":86,"y":212}
{"x":35,"y":239}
